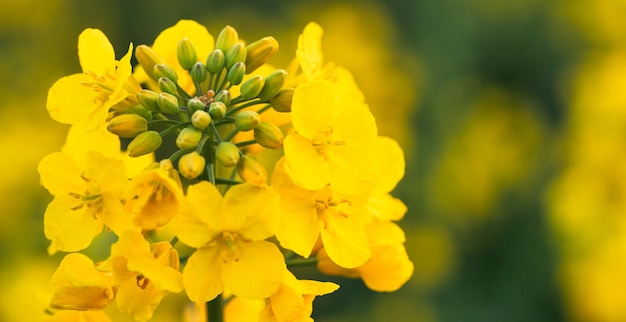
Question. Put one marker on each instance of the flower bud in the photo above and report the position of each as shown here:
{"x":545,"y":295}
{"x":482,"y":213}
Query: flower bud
{"x":166,"y":85}
{"x":281,"y":102}
{"x":227,"y":154}
{"x":168,"y":103}
{"x":188,"y":138}
{"x":195,"y":104}
{"x":251,"y":170}
{"x":268,"y":135}
{"x":273,"y":83}
{"x":144,"y":143}
{"x":191,"y":165}
{"x":226,"y":39}
{"x":236,"y":73}
{"x":162,"y":70}
{"x":247,"y":120}
{"x":259,"y":52}
{"x":127,"y":125}
{"x":186,"y":53}
{"x":149,"y":99}
{"x":134,"y":109}
{"x":198,"y":72}
{"x":235,"y":54}
{"x":223,"y":96}
{"x":217,"y":110}
{"x":252,"y":87}
{"x":200,"y":119}
{"x":147,"y":58}
{"x":215,"y":61}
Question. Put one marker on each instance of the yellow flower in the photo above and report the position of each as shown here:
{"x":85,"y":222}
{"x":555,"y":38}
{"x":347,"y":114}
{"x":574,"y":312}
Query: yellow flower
{"x":154,"y":195}
{"x":105,"y":82}
{"x":78,"y":285}
{"x":387,"y":269}
{"x":229,"y":233}
{"x":85,"y":198}
{"x":307,"y":215}
{"x":293,"y":301}
{"x":144,"y":273}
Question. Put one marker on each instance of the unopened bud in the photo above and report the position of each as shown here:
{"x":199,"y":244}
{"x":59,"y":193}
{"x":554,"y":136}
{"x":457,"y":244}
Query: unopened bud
{"x":252,"y":87}
{"x":236,"y":73}
{"x":281,"y":102}
{"x":215,"y":61}
{"x":198,"y":72}
{"x":226,"y":39}
{"x":273,"y":83}
{"x":191,"y":165}
{"x":166,"y":85}
{"x":268,"y":135}
{"x":251,"y":170}
{"x":144,"y":143}
{"x":168,"y":103}
{"x":188,"y":138}
{"x":223,"y":96}
{"x":195,"y":104}
{"x":247,"y":120}
{"x":200,"y":119}
{"x":133,"y":109}
{"x":127,"y":125}
{"x":235,"y":54}
{"x":147,"y":58}
{"x":149,"y":99}
{"x":259,"y":52}
{"x":227,"y":154}
{"x":217,"y":110}
{"x":162,"y":70}
{"x":186,"y":53}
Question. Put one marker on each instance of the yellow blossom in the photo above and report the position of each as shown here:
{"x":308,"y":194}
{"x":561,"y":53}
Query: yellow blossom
{"x":105,"y":82}
{"x":229,"y":233}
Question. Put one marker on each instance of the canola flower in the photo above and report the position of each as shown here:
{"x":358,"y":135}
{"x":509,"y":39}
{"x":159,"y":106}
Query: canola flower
{"x":210,"y":220}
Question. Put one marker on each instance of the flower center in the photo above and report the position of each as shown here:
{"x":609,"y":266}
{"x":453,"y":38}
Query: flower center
{"x":90,"y":198}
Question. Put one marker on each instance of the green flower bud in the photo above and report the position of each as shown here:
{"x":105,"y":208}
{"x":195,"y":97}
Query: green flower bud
{"x":186,"y":53}
{"x":134,"y":109}
{"x":168,"y":103}
{"x":166,"y":85}
{"x":198,"y":72}
{"x":227,"y":154}
{"x":215,"y":61}
{"x":223,"y":96}
{"x":268,"y":135}
{"x":252,"y":87}
{"x":195,"y":104}
{"x":217,"y":110}
{"x":259,"y":52}
{"x":236,"y":73}
{"x":281,"y":102}
{"x":200,"y":119}
{"x":226,"y":39}
{"x":251,"y":170}
{"x":162,"y":70}
{"x":247,"y":120}
{"x":149,"y":99}
{"x":191,"y":165}
{"x":144,"y":143}
{"x":188,"y":138}
{"x":273,"y":83}
{"x":235,"y":54}
{"x":127,"y":125}
{"x":147,"y":58}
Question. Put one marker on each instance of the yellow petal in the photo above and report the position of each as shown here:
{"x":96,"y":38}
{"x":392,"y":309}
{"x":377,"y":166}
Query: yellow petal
{"x":305,"y":166}
{"x":257,"y":273}
{"x":309,"y":52}
{"x":198,"y":221}
{"x":300,"y":226}
{"x":388,"y":268}
{"x":352,"y":169}
{"x":287,"y":304}
{"x":138,"y":302}
{"x":95,"y":52}
{"x":202,"y":275}
{"x":114,"y":215}
{"x":251,"y":211}
{"x":79,"y":141}
{"x":313,"y":108}
{"x":345,"y":240}
{"x":60,"y":175}
{"x":164,"y":277}
{"x":386,"y":207}
{"x":108,"y":174}
{"x":70,"y":230}
{"x":70,"y":102}
{"x":384,"y":233}
{"x":390,"y":160}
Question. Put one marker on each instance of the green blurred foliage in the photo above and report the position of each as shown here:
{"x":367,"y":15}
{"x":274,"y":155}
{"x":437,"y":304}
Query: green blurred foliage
{"x":511,"y":114}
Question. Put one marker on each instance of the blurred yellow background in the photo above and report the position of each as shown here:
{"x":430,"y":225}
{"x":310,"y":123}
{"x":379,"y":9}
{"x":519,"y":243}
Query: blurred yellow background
{"x":511,"y":114}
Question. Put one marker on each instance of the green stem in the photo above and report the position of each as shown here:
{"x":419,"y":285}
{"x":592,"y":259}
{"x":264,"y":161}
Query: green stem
{"x":173,"y":128}
{"x":264,"y":108}
{"x":231,"y":135}
{"x":229,"y":182}
{"x":166,"y":121}
{"x":215,"y":310}
{"x":179,"y":154}
{"x":244,"y":143}
{"x":242,"y":106}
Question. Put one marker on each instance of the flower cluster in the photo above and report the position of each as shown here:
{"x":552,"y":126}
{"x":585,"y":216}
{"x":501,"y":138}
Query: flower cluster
{"x":229,"y":117}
